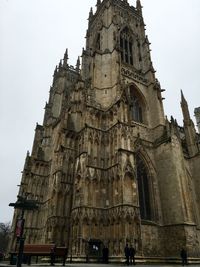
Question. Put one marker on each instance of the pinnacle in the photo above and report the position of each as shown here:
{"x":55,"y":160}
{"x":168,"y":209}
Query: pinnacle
{"x":91,"y":11}
{"x":98,"y":3}
{"x":66,"y":54}
{"x":90,"y":14}
{"x":183,"y":97}
{"x":78,"y":64}
{"x":65,"y":58}
{"x":139,"y":6}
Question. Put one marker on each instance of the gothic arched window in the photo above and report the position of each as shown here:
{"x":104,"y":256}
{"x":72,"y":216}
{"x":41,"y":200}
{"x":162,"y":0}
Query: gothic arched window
{"x":126,"y":46}
{"x":137,"y":110}
{"x":137,"y":106}
{"x":143,"y":190}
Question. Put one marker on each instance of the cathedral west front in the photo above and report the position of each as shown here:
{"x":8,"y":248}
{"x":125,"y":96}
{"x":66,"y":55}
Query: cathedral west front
{"x":107,"y":167}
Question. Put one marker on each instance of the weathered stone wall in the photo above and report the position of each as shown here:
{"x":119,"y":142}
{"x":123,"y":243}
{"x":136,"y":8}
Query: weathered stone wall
{"x":172,"y":182}
{"x":152,"y":240}
{"x":173,"y":239}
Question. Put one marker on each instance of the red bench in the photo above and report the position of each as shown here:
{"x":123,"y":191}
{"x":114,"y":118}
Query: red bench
{"x":43,"y":250}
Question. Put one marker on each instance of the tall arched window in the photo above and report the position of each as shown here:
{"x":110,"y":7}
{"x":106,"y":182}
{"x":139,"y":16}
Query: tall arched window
{"x":137,"y":110}
{"x":126,"y":46}
{"x":137,"y":106}
{"x":143,"y":190}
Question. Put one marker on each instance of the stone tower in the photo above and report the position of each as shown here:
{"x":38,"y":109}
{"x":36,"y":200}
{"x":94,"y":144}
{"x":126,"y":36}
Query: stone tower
{"x":106,"y":165}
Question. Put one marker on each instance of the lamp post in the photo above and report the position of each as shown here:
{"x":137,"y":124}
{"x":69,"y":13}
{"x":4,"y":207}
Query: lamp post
{"x":23,"y":204}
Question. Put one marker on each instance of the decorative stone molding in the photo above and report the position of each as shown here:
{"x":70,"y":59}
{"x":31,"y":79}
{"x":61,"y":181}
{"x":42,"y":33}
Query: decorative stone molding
{"x":133,"y":75}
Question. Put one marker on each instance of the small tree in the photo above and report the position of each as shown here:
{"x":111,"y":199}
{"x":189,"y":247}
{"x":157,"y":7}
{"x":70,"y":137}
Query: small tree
{"x":5,"y":229}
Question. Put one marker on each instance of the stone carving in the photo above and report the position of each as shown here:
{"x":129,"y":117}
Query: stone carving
{"x":133,"y":75}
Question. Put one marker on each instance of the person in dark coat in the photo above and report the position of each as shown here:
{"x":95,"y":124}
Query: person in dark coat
{"x":127,"y":253}
{"x":65,"y":256}
{"x":105,"y":254}
{"x":183,"y":255}
{"x":52,"y":255}
{"x":132,"y":255}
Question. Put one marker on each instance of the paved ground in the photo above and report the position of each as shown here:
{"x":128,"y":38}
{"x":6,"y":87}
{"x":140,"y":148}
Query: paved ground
{"x":118,"y":265}
{"x":6,"y":264}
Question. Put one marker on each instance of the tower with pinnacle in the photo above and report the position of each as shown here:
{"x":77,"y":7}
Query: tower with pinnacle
{"x":107,"y":167}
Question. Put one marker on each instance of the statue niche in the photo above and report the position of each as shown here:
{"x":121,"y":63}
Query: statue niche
{"x":128,"y":188}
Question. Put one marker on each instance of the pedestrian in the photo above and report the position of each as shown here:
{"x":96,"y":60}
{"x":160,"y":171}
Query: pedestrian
{"x":183,"y":255}
{"x":52,"y":254}
{"x":132,"y":255}
{"x":105,"y":254}
{"x":127,"y":253}
{"x":66,"y":255}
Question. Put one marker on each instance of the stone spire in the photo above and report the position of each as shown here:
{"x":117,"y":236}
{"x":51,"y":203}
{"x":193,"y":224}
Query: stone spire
{"x":60,"y":64}
{"x":190,"y":133}
{"x":185,"y":109}
{"x":65,"y":60}
{"x":139,"y":6}
{"x":98,"y":3}
{"x":90,"y":14}
{"x":78,"y":64}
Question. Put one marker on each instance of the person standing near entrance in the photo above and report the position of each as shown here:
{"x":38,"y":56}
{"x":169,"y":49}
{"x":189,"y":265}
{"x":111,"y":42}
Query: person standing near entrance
{"x":105,"y":253}
{"x":127,"y":253}
{"x":132,"y":255}
{"x":183,"y":255}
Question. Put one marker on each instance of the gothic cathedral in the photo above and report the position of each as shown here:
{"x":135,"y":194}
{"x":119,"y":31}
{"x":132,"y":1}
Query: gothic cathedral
{"x":107,"y":167}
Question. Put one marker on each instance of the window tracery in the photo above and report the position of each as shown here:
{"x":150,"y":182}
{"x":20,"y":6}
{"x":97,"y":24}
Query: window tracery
{"x":126,"y":46}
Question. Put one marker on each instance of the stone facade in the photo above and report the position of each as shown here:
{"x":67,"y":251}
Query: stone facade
{"x":197,"y":115}
{"x":106,"y":166}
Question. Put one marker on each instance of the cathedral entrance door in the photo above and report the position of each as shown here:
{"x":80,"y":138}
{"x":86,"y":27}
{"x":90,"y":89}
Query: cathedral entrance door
{"x":95,"y":247}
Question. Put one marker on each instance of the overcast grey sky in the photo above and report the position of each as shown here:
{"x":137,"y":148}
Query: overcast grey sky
{"x":33,"y":37}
